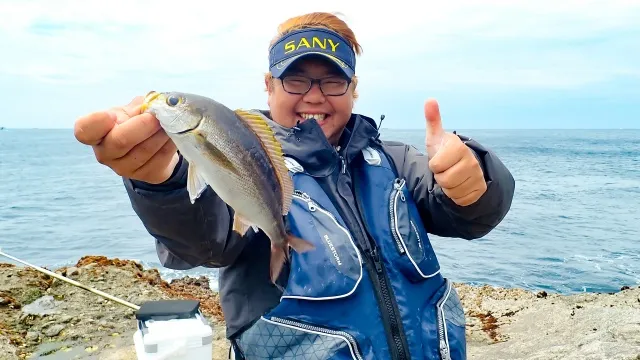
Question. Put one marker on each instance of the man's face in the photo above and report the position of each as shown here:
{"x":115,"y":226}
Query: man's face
{"x":331,"y":112}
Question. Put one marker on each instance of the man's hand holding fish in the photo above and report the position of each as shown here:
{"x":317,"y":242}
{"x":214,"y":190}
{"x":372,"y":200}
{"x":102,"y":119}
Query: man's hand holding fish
{"x":132,"y":144}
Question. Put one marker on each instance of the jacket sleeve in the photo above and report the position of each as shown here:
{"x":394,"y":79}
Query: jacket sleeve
{"x":442,"y":216}
{"x":187,"y":235}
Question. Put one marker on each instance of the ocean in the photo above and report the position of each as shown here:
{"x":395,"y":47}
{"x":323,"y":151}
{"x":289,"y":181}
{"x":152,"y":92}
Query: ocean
{"x":573,"y":226}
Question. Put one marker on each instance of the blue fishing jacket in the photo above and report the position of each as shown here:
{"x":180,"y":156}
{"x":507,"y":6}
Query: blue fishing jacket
{"x":330,"y":305}
{"x":372,"y":288}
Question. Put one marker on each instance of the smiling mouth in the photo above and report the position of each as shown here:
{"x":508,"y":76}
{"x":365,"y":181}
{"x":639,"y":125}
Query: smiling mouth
{"x":319,"y":117}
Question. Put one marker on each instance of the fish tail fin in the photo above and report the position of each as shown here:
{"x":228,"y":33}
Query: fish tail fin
{"x":280,"y":254}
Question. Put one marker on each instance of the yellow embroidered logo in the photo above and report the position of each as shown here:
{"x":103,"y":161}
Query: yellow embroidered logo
{"x":314,"y":43}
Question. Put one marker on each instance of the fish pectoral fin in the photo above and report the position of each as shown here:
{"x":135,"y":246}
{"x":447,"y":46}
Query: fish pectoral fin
{"x":196,"y":184}
{"x":241,"y":226}
{"x":213,"y":153}
{"x":278,"y":257}
{"x":299,"y":245}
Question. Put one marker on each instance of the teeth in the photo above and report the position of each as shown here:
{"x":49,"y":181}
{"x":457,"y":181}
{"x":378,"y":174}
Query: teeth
{"x":318,"y":117}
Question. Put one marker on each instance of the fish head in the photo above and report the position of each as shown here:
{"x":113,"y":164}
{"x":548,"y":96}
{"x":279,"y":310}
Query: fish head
{"x":177,"y":112}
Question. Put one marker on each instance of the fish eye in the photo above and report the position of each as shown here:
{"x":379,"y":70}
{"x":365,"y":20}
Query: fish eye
{"x":173,"y":100}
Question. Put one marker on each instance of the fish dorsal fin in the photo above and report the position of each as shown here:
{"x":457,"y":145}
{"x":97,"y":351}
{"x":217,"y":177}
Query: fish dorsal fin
{"x":272,"y":147}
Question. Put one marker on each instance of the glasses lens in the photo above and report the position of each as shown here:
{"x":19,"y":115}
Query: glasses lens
{"x":296,"y":84}
{"x":333,"y":86}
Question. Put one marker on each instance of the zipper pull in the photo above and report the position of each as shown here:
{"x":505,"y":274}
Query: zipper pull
{"x":312,"y":205}
{"x":344,"y":164}
{"x":398,"y":185}
{"x":376,"y":259}
{"x":444,"y":352}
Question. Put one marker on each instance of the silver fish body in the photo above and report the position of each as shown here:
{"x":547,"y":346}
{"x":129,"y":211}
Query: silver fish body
{"x":238,"y":156}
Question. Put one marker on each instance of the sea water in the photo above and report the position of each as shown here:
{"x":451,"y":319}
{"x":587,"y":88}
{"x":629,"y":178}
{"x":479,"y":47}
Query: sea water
{"x":573,"y":224}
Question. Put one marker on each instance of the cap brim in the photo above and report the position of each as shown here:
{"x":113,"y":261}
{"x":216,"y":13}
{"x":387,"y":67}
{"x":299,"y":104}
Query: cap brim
{"x":279,"y":68}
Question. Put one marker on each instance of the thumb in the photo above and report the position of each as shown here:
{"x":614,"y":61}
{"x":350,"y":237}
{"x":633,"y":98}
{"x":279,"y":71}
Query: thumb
{"x":124,"y":113}
{"x":435,"y":132}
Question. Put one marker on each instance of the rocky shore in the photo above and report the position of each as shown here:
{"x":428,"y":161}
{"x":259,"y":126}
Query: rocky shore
{"x":44,"y":318}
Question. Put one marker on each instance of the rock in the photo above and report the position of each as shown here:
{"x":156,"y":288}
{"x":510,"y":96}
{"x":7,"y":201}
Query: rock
{"x":45,"y":305}
{"x":105,"y":324}
{"x":581,"y":326}
{"x":53,"y":330}
{"x":9,"y":351}
{"x":73,"y":271}
{"x":32,"y":336}
{"x":66,"y":319}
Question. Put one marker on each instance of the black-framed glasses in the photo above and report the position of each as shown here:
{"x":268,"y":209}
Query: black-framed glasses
{"x":330,"y":86}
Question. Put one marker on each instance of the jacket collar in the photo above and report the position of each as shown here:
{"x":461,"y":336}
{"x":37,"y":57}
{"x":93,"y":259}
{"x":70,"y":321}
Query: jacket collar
{"x":307,"y":144}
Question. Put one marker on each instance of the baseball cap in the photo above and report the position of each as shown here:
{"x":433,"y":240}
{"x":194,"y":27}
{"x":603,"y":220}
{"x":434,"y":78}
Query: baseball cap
{"x":311,"y":42}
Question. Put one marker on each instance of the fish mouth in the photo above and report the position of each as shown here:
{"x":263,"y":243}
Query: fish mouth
{"x":148,"y":99}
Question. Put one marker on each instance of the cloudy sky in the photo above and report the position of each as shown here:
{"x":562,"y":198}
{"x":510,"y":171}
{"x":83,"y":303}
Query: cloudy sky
{"x":491,"y":64}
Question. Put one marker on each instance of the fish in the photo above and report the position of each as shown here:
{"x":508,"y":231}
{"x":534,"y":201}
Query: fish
{"x":236,"y":153}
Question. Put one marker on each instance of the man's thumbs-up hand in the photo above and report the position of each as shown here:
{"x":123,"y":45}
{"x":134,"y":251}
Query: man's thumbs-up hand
{"x":453,"y":164}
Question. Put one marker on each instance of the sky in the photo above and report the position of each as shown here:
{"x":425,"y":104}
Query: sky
{"x":490,"y":64}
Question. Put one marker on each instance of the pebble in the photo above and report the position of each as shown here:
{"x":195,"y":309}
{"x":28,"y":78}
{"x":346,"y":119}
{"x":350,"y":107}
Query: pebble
{"x":54,"y":330}
{"x":66,"y":319}
{"x":105,"y":324}
{"x":45,"y":305}
{"x":73,"y":271}
{"x":32,"y":335}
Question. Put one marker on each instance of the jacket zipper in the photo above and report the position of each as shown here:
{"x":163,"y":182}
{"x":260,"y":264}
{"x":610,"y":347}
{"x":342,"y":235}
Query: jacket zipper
{"x":351,"y":341}
{"x":344,"y":164}
{"x":442,"y":331}
{"x":395,"y":194}
{"x":390,"y":314}
{"x":313,"y":206}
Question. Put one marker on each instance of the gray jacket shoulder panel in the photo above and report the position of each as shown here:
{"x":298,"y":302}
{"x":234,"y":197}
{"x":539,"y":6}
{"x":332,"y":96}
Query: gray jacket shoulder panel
{"x":442,"y":216}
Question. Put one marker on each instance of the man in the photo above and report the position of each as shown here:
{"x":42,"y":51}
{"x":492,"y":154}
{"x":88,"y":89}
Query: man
{"x":372,"y":288}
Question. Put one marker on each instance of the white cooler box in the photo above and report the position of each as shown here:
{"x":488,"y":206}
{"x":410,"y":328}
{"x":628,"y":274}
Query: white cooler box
{"x":172,"y":330}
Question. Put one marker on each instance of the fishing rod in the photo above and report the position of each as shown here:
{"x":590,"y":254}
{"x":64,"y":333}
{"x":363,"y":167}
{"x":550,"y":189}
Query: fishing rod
{"x":74,"y":283}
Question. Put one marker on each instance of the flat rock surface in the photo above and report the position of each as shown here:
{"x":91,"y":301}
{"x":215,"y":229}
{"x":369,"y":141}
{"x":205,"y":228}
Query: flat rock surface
{"x":517,"y":324}
{"x":44,"y":318}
